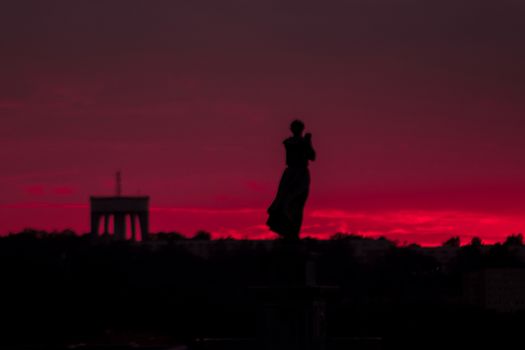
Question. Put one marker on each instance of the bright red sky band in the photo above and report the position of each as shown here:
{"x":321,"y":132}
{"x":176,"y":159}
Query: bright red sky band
{"x":416,"y":110}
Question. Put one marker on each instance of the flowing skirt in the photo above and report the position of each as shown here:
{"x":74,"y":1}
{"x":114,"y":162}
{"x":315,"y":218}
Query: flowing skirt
{"x":286,"y":211}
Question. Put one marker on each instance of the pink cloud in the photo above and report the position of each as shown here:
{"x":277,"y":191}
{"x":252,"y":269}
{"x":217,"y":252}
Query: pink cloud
{"x":34,"y":190}
{"x":426,"y":227}
{"x":257,"y":187}
{"x":64,"y":190}
{"x":207,"y":211}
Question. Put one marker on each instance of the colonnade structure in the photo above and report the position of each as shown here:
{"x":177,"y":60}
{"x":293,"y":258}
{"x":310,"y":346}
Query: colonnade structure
{"x":121,"y":210}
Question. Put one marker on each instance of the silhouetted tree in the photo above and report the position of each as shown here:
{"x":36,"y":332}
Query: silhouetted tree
{"x":476,"y":242}
{"x":30,"y":233}
{"x":469,"y":257}
{"x":168,"y":236}
{"x":500,"y":255}
{"x":514,"y":240}
{"x":452,"y":242}
{"x":343,"y":235}
{"x":202,"y":236}
{"x":227,"y":239}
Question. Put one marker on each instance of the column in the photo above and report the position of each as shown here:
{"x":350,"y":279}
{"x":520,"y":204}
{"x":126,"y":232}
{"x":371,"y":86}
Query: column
{"x":106,"y":224}
{"x":95,"y":220}
{"x":144,"y":225}
{"x":133,"y":218}
{"x":120,"y":226}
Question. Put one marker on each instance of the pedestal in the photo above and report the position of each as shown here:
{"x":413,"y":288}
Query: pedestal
{"x":292,"y":317}
{"x":292,"y":312}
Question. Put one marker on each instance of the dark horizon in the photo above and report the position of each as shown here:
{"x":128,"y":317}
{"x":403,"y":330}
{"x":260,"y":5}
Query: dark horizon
{"x":203,"y":235}
{"x":63,"y":291}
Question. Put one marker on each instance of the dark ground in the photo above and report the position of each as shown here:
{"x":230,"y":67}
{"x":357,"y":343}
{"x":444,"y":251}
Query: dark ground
{"x":60,"y":290}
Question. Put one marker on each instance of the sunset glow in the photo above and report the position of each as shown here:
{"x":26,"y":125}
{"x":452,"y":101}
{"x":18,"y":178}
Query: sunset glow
{"x":416,"y":113}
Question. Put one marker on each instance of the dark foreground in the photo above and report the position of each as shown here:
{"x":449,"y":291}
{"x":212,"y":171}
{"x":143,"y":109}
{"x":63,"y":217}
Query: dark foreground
{"x":66,"y":291}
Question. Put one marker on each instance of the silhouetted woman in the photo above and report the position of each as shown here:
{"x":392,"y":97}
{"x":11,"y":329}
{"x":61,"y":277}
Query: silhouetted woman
{"x":286,"y":211}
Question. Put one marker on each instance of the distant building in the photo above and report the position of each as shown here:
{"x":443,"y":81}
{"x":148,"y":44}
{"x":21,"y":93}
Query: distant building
{"x":368,"y":250}
{"x":204,"y":249}
{"x":122,"y":209}
{"x":134,"y":210}
{"x":498,"y":289}
{"x":363,"y":250}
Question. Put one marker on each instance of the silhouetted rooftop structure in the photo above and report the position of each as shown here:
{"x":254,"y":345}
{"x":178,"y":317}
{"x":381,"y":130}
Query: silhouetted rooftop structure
{"x":120,"y":208}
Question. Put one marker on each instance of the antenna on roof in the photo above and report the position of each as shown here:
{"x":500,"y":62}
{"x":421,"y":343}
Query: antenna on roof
{"x":118,"y":184}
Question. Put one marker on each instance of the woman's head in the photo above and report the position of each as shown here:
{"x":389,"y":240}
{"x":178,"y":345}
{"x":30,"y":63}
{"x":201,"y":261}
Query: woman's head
{"x":297,"y":127}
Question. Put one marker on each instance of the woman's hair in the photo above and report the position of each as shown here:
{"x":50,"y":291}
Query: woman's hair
{"x":297,"y":126}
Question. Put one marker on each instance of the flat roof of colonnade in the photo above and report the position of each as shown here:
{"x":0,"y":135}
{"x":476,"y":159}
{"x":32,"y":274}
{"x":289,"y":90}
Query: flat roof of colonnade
{"x":104,"y":204}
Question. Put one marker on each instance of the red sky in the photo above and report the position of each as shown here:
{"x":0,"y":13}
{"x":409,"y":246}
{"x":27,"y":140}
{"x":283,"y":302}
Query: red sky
{"x":416,"y":110}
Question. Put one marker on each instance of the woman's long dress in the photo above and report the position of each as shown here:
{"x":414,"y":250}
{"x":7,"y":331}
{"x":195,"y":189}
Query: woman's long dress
{"x":286,"y":211}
